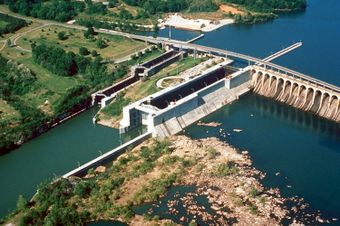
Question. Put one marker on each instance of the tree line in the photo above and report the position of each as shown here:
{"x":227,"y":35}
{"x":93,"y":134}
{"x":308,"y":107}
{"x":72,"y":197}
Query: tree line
{"x":63,"y":63}
{"x":51,"y":10}
{"x":156,"y":6}
{"x":269,"y":6}
{"x":121,"y":25}
{"x":12,"y":24}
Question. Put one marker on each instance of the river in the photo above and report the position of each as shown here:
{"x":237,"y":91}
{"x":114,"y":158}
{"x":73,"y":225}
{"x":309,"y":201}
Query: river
{"x":303,"y":148}
{"x":52,"y":154}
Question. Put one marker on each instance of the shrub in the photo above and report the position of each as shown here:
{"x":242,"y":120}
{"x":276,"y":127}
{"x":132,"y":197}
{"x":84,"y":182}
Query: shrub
{"x":100,"y":43}
{"x":83,"y":51}
{"x":22,"y":203}
{"x":253,"y":192}
{"x":94,"y":53}
{"x":225,"y":169}
{"x":84,"y":188}
{"x":62,"y":35}
{"x":212,"y":153}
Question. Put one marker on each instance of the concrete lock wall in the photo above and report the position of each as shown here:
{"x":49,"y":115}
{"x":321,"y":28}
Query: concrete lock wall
{"x":153,"y":70}
{"x":107,"y":157}
{"x":238,"y":78}
{"x":189,"y":103}
{"x":204,"y":102}
{"x":193,"y":108}
{"x":177,"y":110}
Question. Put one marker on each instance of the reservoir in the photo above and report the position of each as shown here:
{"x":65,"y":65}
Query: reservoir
{"x":304,"y":149}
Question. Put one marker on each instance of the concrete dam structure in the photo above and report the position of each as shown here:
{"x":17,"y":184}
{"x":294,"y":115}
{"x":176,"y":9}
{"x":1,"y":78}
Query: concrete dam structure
{"x":304,"y":94}
{"x":169,"y":111}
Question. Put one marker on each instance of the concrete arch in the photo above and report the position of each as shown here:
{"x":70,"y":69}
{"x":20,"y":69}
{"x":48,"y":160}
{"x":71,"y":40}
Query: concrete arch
{"x":316,"y":101}
{"x":325,"y":99}
{"x":301,"y":96}
{"x":272,"y":86}
{"x":285,"y":91}
{"x":293,"y":95}
{"x":334,"y":97}
{"x":309,"y":99}
{"x":279,"y":87}
{"x":259,"y":78}
{"x":333,"y":107}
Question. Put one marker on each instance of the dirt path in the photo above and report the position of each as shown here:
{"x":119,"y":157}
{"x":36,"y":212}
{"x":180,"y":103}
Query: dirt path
{"x":231,"y":9}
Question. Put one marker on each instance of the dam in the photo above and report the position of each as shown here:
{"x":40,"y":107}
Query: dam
{"x":169,"y":111}
{"x":304,"y":94}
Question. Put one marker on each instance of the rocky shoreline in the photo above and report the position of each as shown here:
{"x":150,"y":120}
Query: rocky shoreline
{"x":217,"y":171}
{"x":237,"y":196}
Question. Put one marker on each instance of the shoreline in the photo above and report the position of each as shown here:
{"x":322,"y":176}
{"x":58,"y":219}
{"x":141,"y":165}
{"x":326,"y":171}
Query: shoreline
{"x":201,"y":25}
{"x":48,"y":125}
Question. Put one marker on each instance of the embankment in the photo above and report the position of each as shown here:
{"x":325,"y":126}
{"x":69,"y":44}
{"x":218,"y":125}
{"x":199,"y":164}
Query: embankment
{"x":44,"y":125}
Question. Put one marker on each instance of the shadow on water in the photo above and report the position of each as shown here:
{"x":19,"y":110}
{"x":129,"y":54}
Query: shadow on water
{"x":295,"y":117}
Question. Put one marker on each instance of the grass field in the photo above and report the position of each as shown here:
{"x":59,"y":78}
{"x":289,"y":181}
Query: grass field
{"x":117,"y":46}
{"x":149,"y":87}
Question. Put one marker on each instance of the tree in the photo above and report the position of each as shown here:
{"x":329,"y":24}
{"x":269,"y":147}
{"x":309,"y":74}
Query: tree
{"x":94,"y":53}
{"x":203,"y":6}
{"x":9,"y":43}
{"x":52,"y":10}
{"x":83,"y":51}
{"x":112,"y":3}
{"x":101,"y":44}
{"x":62,"y":35}
{"x":89,"y":33}
{"x":124,"y":14}
{"x":22,"y":203}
